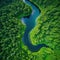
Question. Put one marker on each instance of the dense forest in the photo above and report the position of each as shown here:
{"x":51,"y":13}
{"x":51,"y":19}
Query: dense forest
{"x":12,"y":29}
{"x":46,"y":30}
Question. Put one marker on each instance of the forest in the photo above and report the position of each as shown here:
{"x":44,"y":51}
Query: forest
{"x":46,"y":30}
{"x":12,"y":29}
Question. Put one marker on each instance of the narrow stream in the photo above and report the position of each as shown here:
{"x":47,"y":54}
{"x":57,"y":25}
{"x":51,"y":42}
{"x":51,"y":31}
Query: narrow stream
{"x":30,"y":24}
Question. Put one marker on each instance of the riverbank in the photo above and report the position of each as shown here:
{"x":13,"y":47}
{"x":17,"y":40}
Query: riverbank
{"x":47,"y":28}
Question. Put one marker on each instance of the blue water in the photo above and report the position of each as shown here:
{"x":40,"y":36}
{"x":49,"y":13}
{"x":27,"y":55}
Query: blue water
{"x":30,"y":24}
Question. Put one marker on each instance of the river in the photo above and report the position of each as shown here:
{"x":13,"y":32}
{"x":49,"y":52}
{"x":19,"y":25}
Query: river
{"x":30,"y":24}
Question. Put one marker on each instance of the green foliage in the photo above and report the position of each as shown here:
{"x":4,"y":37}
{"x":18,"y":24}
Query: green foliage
{"x":12,"y":29}
{"x":47,"y":29}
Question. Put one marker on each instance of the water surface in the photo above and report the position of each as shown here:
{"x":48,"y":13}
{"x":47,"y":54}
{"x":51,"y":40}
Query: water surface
{"x":30,"y":24}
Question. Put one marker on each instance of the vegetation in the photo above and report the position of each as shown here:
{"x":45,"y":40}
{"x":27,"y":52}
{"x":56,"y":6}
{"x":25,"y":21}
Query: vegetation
{"x":47,"y":30}
{"x":12,"y":30}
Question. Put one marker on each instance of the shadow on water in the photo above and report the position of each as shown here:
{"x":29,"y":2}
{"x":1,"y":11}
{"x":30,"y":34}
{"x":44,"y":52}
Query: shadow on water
{"x":30,"y":24}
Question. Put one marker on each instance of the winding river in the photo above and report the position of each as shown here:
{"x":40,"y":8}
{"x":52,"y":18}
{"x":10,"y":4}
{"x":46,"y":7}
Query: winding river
{"x":30,"y":24}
